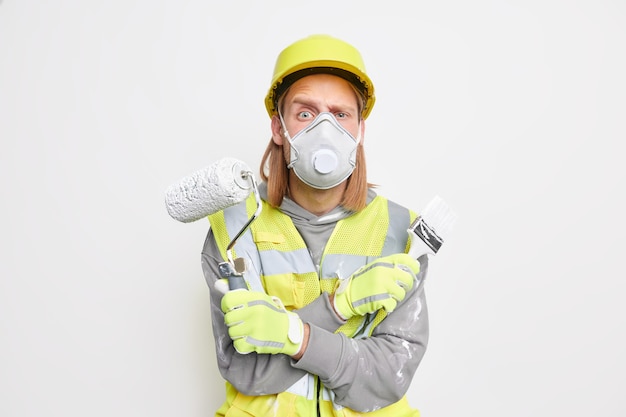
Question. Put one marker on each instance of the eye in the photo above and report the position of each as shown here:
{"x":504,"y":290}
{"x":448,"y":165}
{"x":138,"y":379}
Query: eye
{"x":305,"y":115}
{"x":341,"y":115}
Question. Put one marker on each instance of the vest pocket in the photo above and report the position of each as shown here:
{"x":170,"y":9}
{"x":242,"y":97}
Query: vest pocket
{"x":288,"y":287}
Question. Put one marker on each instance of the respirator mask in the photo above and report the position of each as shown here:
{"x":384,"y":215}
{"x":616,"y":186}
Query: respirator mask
{"x":323,"y":154}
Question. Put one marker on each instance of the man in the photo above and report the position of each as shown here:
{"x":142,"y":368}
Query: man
{"x":334,"y":321}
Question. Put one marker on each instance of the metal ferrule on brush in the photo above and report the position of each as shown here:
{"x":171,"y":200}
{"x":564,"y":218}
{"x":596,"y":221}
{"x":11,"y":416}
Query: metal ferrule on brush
{"x":428,"y":243}
{"x":426,"y":234}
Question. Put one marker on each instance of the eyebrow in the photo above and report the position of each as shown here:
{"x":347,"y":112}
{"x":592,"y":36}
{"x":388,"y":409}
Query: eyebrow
{"x":304,"y":100}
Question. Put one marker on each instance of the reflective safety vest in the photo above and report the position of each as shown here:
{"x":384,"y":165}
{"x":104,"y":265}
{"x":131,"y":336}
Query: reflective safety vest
{"x":280,"y":265}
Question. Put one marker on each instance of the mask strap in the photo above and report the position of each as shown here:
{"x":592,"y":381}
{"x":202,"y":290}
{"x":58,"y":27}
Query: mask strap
{"x":282,"y":123}
{"x":358,"y":135}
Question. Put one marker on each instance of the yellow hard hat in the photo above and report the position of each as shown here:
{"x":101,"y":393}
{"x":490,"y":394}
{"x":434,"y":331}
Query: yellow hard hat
{"x":319,"y":54}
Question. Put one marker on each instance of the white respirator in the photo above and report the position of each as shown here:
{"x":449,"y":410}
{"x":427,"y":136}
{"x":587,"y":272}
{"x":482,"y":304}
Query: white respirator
{"x":323,"y":154}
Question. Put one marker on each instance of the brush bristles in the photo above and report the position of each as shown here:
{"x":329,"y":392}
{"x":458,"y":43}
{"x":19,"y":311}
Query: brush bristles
{"x":439,"y":217}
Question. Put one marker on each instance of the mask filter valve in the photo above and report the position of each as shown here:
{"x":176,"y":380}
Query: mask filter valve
{"x":325,"y":161}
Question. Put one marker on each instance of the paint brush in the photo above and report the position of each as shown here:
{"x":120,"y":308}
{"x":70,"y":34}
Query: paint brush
{"x":429,"y":230}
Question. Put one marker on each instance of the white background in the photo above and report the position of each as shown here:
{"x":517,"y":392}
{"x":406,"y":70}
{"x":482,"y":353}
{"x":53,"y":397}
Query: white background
{"x":512,"y":111}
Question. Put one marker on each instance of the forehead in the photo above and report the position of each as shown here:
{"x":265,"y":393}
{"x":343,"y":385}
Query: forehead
{"x":323,"y":86}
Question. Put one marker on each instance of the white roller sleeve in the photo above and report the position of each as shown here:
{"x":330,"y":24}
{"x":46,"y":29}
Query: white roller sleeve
{"x":208,"y":191}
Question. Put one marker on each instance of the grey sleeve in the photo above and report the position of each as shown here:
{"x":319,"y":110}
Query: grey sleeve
{"x":251,"y":374}
{"x":374,"y":372}
{"x":320,"y":313}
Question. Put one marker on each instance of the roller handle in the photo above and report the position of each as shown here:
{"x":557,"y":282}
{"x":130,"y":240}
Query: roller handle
{"x":236,"y":282}
{"x":235,"y":279}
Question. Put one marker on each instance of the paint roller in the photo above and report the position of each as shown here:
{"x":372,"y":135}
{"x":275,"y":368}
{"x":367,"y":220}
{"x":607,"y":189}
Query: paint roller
{"x":220,"y":185}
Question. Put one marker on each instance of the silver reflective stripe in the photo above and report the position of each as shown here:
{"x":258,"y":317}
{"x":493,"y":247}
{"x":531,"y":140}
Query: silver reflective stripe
{"x":341,"y":266}
{"x":329,"y":395}
{"x":266,"y":343}
{"x":235,"y":218}
{"x":304,"y":387}
{"x":397,"y":235}
{"x":370,"y":299}
{"x":266,"y":304}
{"x":277,"y":262}
{"x":373,"y":265}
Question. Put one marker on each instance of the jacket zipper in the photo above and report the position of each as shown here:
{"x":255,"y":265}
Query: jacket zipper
{"x":318,"y":389}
